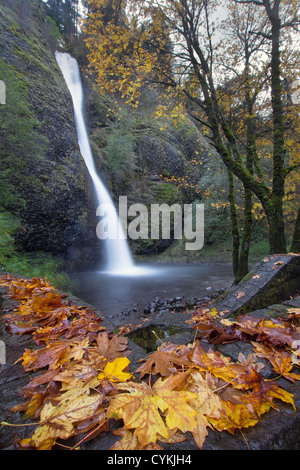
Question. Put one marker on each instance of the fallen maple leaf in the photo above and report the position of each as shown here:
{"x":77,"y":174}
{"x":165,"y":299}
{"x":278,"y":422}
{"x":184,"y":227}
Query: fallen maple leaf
{"x":147,"y":422}
{"x":111,"y":347}
{"x":42,"y":304}
{"x":163,"y":361}
{"x":215,"y":363}
{"x":128,"y":441}
{"x":54,"y":354}
{"x":20,"y":328}
{"x":114,"y":371}
{"x":277,"y":264}
{"x":240,"y":294}
{"x":206,"y":402}
{"x":74,"y":373}
{"x":59,"y":421}
{"x":139,"y":409}
{"x":233,"y":416}
{"x":280,"y":360}
{"x":179,"y":414}
{"x":215,"y":334}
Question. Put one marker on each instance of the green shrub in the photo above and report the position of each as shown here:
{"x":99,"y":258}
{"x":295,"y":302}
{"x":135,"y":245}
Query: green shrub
{"x":119,"y":150}
{"x":38,"y":264}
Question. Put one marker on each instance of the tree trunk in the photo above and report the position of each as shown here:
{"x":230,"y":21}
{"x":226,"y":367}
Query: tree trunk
{"x":246,"y":238}
{"x":251,"y":154}
{"x":295,"y":248}
{"x":234,"y":225}
{"x":276,"y":227}
{"x":277,"y":235}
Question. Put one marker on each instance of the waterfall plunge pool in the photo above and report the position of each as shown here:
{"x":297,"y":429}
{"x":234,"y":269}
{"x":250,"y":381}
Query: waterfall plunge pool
{"x":116,"y":293}
{"x":125,"y":286}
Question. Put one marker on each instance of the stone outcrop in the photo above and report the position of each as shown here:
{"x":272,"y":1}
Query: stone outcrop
{"x":274,"y":279}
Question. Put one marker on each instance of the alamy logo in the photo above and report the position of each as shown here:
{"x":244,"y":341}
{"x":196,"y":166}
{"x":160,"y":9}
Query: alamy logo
{"x":2,"y":92}
{"x":160,"y":221}
{"x":296,"y":352}
{"x":2,"y":353}
{"x":296,"y":94}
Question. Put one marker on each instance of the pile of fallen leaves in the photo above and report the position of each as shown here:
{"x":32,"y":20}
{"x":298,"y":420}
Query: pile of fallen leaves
{"x":81,"y":380}
{"x":275,"y":338}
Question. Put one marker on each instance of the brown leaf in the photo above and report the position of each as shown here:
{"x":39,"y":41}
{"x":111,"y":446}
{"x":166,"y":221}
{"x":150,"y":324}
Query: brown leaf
{"x":215,"y":334}
{"x":215,"y":363}
{"x":20,"y":328}
{"x":111,"y":348}
{"x":54,"y":354}
{"x":280,"y":360}
{"x":162,"y":362}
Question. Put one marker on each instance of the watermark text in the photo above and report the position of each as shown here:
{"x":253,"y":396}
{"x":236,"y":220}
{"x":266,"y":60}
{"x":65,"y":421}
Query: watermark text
{"x":2,"y":92}
{"x":159,"y":221}
{"x":296,"y":94}
{"x":2,"y":353}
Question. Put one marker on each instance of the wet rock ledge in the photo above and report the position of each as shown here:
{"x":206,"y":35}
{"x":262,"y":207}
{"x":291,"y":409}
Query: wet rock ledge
{"x":272,"y":287}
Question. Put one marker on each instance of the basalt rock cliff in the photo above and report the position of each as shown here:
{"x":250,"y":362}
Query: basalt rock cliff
{"x":44,"y":181}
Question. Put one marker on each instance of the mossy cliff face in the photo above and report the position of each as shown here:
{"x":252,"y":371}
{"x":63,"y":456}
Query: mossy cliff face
{"x":44,"y":178}
{"x":44,"y":181}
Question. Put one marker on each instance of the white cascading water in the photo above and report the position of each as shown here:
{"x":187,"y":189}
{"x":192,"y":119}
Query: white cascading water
{"x":119,"y":259}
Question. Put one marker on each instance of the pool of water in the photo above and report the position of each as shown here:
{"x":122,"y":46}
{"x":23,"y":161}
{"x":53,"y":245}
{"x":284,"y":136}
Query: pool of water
{"x":114,"y":292}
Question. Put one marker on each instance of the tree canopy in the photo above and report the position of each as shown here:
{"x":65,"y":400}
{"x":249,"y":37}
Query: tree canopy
{"x":229,"y":64}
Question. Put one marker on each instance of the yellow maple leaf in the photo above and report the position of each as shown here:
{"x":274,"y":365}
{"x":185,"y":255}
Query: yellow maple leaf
{"x":233,"y":416}
{"x":200,"y":433}
{"x":128,"y":441}
{"x":180,"y":415}
{"x":124,"y":405}
{"x":57,"y":421}
{"x":147,"y":421}
{"x":213,"y":312}
{"x":141,"y":409}
{"x":114,"y":370}
{"x":207,"y":402}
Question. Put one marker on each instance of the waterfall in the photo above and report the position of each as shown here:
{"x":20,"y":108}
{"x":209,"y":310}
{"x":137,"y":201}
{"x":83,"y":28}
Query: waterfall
{"x":118,"y":257}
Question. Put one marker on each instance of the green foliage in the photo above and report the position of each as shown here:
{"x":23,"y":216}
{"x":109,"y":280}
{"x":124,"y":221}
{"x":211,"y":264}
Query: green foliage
{"x":167,"y":193}
{"x":258,"y":249}
{"x":8,"y":225}
{"x":54,"y":30}
{"x":37,"y":264}
{"x":119,"y":150}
